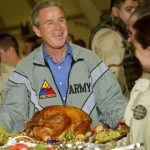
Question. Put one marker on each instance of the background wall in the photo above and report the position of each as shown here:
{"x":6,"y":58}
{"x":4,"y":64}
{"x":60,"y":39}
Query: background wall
{"x":82,"y":16}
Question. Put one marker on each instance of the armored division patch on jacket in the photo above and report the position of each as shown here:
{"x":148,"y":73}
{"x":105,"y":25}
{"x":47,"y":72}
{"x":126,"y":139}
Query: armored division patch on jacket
{"x":46,"y":91}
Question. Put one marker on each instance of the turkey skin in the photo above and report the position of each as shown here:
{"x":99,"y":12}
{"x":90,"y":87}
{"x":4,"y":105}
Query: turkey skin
{"x":55,"y":121}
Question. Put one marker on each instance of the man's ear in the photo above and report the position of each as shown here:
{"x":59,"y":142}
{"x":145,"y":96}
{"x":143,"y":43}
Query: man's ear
{"x":115,"y":11}
{"x":11,"y":50}
{"x":36,"y":31}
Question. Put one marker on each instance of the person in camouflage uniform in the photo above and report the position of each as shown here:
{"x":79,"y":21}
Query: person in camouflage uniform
{"x":109,"y":40}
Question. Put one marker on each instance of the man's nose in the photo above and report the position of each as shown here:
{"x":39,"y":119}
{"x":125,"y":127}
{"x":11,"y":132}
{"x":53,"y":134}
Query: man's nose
{"x":57,"y":25}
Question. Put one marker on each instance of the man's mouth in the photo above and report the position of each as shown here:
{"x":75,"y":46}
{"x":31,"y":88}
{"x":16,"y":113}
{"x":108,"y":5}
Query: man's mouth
{"x":58,"y":34}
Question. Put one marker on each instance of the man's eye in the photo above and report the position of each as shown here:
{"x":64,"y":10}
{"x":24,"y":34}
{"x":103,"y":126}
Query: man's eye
{"x":49,"y":22}
{"x":129,"y":33}
{"x":130,"y":9}
{"x":61,"y":20}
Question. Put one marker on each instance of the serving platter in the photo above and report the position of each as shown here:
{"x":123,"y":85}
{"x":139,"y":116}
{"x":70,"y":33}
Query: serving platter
{"x":99,"y":138}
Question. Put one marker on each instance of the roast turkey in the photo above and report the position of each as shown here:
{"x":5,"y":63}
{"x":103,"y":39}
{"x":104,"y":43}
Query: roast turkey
{"x":55,"y":121}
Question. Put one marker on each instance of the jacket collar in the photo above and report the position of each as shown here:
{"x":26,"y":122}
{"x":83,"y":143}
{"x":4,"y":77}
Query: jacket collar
{"x":39,"y":58}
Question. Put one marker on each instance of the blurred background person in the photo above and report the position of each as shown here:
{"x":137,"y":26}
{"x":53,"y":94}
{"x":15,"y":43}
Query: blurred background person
{"x":71,"y":38}
{"x":109,"y":40}
{"x":30,"y":44}
{"x":9,"y":56}
{"x":80,"y":42}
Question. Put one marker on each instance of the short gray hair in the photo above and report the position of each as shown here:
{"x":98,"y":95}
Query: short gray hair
{"x":35,"y":20}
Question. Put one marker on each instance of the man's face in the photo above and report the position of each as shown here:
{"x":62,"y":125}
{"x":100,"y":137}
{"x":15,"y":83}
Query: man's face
{"x":125,"y":10}
{"x":52,"y":28}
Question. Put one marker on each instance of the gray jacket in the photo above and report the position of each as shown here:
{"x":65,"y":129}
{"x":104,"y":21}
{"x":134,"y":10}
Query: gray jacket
{"x":91,"y":87}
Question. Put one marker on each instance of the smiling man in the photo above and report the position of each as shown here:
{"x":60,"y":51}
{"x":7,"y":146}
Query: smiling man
{"x":60,"y":73}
